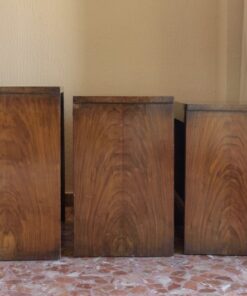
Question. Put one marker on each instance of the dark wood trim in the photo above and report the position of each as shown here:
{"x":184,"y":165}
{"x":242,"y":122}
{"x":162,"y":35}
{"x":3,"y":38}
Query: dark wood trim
{"x":217,"y":107}
{"x":30,"y":90}
{"x":123,"y":100}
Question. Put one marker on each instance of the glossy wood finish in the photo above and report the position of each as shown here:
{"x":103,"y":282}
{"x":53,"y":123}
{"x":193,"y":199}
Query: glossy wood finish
{"x":216,"y":180}
{"x":29,"y":174}
{"x":123,"y":178}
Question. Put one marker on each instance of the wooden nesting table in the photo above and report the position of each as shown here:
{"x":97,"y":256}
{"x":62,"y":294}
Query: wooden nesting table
{"x":123,"y":176}
{"x":30,"y":175}
{"x":215,"y":178}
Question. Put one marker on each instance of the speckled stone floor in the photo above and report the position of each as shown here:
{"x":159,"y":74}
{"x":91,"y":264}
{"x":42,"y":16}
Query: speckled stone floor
{"x":178,"y":275}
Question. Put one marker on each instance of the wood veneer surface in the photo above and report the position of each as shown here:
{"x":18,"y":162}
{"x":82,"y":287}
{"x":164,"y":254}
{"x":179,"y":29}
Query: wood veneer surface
{"x":29,"y":176}
{"x":216,"y":183}
{"x":123,"y":179}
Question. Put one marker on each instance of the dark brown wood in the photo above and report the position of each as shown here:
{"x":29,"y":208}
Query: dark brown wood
{"x":217,"y":107}
{"x":30,"y":90}
{"x":123,"y":100}
{"x":179,"y":176}
{"x":179,"y":173}
{"x":179,"y":137}
{"x":216,"y":174}
{"x":29,"y":175}
{"x":123,"y":179}
{"x":63,"y":201}
{"x":69,"y":199}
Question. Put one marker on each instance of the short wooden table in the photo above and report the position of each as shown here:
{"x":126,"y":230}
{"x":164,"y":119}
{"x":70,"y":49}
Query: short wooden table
{"x":30,"y":175}
{"x":123,"y":176}
{"x":216,"y":179}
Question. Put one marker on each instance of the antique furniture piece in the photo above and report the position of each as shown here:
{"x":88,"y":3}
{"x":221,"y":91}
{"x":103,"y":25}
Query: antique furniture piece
{"x":215,"y":178}
{"x":123,"y":176}
{"x":30,"y":174}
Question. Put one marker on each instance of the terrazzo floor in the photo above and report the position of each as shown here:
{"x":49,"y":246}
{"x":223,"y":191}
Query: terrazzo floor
{"x":178,"y":275}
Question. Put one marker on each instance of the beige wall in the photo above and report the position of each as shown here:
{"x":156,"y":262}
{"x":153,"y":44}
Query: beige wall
{"x":243,"y":85}
{"x":116,"y":47}
{"x":230,"y":29}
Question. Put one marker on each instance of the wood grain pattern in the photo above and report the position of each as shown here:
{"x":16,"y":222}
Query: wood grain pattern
{"x":29,"y":176}
{"x":216,"y":183}
{"x":123,"y":179}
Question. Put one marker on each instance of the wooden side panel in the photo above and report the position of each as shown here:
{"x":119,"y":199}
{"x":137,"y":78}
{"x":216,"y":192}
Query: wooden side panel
{"x":123,"y":180}
{"x":216,"y":183}
{"x":29,"y":177}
